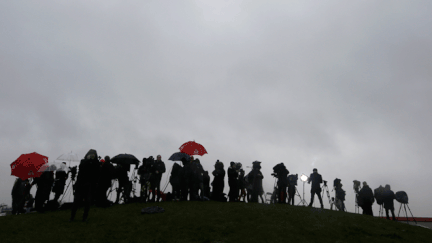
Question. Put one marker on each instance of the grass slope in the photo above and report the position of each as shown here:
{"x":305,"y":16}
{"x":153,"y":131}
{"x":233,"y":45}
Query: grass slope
{"x":207,"y":222}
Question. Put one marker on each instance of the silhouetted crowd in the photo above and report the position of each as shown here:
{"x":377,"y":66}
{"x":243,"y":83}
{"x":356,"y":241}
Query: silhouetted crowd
{"x":93,"y":183}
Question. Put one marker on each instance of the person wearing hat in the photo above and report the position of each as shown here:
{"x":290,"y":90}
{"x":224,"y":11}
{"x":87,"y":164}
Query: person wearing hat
{"x":255,"y":177}
{"x":367,"y":199}
{"x":316,"y":180}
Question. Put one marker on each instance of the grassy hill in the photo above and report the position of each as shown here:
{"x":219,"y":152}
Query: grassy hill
{"x":207,"y":222}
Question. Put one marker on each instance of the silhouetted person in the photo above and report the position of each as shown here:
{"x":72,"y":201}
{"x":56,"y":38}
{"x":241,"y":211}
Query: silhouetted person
{"x":123,"y":182}
{"x":158,"y":170}
{"x":186,"y":180}
{"x":86,"y":179}
{"x":241,"y":184}
{"x":218,"y":181}
{"x":281,"y":173}
{"x":367,"y":199}
{"x":18,"y":196}
{"x":145,"y":172}
{"x":389,"y":196}
{"x":175,"y":181}
{"x":60,"y":181}
{"x":292,"y":183}
{"x":107,"y":173}
{"x":255,"y":177}
{"x":197,"y":185}
{"x":316,"y":180}
{"x":206,"y":184}
{"x":44,"y":185}
{"x":233,"y":182}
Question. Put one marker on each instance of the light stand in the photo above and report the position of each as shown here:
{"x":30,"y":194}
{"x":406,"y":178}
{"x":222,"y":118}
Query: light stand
{"x":303,"y":178}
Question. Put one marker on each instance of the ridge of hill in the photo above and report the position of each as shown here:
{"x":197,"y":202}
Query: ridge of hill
{"x":207,"y":222}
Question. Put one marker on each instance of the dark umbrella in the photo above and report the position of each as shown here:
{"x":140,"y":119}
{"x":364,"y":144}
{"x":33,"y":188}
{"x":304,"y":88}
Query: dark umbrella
{"x":125,"y":159}
{"x":193,"y":148}
{"x":179,"y":156}
{"x":27,"y":165}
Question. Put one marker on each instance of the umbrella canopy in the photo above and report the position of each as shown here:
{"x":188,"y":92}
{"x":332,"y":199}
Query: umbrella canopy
{"x":69,"y":157}
{"x":193,"y":148}
{"x":54,"y":166}
{"x":179,"y":156}
{"x":125,"y":159}
{"x":28,"y":165}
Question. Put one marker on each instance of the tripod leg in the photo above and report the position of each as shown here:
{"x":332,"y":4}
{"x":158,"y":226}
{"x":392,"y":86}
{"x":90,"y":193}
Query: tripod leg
{"x":411,"y":213}
{"x":399,"y":210}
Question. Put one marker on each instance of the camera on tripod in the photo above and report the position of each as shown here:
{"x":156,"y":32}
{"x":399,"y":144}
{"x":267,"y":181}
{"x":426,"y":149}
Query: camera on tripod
{"x":73,"y":171}
{"x":278,"y":169}
{"x":356,"y":185}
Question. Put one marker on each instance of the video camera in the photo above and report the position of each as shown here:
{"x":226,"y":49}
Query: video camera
{"x":73,"y":171}
{"x":277,"y":169}
{"x":356,"y":185}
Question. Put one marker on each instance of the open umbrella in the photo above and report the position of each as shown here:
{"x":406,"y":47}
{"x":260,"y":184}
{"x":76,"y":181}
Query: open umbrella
{"x":179,"y":156}
{"x":193,"y":148}
{"x":125,"y":159}
{"x":69,"y":157}
{"x":27,"y":165}
{"x":54,"y":166}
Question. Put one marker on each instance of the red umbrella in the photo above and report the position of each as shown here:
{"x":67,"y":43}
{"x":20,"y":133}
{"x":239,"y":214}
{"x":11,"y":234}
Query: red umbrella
{"x":193,"y":148}
{"x":28,"y":165}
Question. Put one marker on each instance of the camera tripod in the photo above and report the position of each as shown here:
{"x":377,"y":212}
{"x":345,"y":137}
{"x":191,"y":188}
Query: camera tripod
{"x":324,"y":188}
{"x":405,"y":206}
{"x":303,"y":201}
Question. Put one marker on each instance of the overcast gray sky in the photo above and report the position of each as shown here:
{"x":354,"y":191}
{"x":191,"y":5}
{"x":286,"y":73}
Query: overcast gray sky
{"x":342,"y":86}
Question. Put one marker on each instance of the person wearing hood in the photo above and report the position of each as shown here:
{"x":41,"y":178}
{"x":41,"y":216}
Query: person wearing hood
{"x":85,"y":182}
{"x":218,"y":182}
{"x":175,"y":181}
{"x":389,"y":196}
{"x":367,"y":198}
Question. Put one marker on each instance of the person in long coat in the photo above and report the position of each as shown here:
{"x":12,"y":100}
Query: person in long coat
{"x":44,"y":186}
{"x":367,"y":198}
{"x":175,"y":181}
{"x":233,"y":182}
{"x":389,"y":196}
{"x":218,"y":181}
{"x":86,"y":179}
{"x":18,"y":196}
{"x":60,"y":181}
{"x":255,"y":177}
